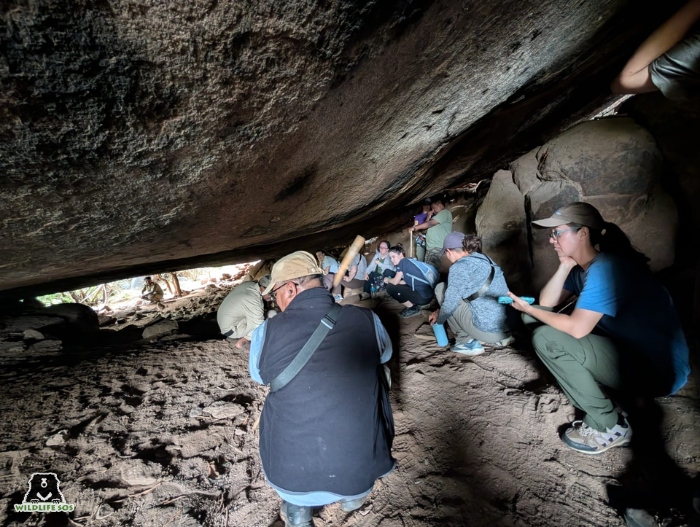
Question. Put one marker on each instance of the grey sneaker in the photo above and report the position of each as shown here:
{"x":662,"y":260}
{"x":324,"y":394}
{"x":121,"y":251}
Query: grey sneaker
{"x":582,"y":438}
{"x":473,"y":347}
{"x":410,"y":312}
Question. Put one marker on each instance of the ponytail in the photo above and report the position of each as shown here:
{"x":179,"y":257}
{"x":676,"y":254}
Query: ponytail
{"x":612,"y":240}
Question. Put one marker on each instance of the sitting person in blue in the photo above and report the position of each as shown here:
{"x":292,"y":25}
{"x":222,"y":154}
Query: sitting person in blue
{"x":624,"y":332}
{"x":469,"y":303}
{"x":408,"y":285}
{"x":379,"y":268}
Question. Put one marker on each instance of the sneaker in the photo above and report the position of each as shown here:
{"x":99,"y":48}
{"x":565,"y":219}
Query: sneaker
{"x":296,"y":516}
{"x":365,"y":296}
{"x":338,"y":298}
{"x":587,"y":440}
{"x":410,"y":312}
{"x":473,"y":347}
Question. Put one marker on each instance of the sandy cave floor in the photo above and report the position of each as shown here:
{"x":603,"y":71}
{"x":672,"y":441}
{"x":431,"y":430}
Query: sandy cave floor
{"x":161,"y":433}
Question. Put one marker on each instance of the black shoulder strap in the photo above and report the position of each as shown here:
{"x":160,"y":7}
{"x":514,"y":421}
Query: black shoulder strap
{"x":482,"y":290}
{"x":309,"y":348}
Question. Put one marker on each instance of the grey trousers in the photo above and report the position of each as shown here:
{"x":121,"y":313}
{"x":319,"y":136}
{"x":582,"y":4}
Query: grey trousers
{"x":462,"y":323}
{"x":434,"y":258}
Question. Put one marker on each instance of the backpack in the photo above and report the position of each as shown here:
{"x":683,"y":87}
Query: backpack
{"x":429,"y":274}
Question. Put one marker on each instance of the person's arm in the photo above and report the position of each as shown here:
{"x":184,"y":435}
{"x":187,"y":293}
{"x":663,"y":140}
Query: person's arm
{"x":371,"y":267}
{"x":383,"y":340}
{"x":425,"y":225}
{"x":579,"y":324}
{"x":553,"y":293}
{"x":256,"y":345}
{"x":351,"y":273}
{"x":635,"y":76}
{"x":398,"y":278}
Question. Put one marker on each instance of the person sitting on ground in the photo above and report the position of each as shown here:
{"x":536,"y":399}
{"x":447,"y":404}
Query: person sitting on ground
{"x":407,"y":286}
{"x":330,"y":268}
{"x":326,"y":435}
{"x":420,"y":219}
{"x":469,"y":303}
{"x":151,"y":291}
{"x":242,"y":311}
{"x":669,"y":60}
{"x":624,"y":332}
{"x":355,"y":277}
{"x":379,"y":267}
{"x":439,"y":226}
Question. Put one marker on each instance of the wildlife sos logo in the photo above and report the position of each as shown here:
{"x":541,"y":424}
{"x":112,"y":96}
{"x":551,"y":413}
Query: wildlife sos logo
{"x":44,"y":495}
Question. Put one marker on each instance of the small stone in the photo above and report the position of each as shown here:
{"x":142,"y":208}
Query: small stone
{"x":159,"y":329}
{"x":58,"y":439}
{"x":33,"y":334}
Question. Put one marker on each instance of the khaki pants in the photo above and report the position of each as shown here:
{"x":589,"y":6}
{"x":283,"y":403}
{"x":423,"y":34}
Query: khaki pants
{"x":462,"y":323}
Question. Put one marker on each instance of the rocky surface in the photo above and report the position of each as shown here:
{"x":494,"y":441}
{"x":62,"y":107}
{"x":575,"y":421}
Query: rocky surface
{"x":162,"y":432}
{"x":162,"y":136}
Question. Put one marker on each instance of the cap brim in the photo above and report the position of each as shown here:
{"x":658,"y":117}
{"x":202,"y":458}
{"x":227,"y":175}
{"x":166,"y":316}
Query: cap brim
{"x":551,"y":222}
{"x":268,"y":288}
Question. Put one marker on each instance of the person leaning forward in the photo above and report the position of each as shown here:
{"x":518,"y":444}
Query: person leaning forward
{"x":469,"y":303}
{"x":242,"y":311}
{"x":324,"y":435}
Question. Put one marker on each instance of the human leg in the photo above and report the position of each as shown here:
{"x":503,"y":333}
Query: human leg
{"x":580,"y":365}
{"x":434,"y":258}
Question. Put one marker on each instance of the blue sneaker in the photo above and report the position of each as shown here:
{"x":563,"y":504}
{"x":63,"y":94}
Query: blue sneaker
{"x":473,"y":347}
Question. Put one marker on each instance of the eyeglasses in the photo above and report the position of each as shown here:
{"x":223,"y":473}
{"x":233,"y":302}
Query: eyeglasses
{"x":556,"y":234}
{"x":273,"y":293}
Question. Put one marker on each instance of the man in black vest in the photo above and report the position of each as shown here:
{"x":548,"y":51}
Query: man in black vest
{"x":325,"y":436}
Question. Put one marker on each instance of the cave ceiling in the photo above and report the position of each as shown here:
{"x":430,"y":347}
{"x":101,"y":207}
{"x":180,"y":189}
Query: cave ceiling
{"x":140,"y":136}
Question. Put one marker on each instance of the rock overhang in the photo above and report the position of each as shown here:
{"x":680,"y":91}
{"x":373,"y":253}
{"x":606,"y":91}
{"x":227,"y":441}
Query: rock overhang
{"x":140,"y":137}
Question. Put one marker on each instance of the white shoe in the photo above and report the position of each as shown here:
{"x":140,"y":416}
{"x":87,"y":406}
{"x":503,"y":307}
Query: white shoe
{"x":582,"y":438}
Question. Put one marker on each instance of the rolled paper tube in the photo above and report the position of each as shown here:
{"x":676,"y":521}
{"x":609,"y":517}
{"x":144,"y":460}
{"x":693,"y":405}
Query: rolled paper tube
{"x":354,"y":249}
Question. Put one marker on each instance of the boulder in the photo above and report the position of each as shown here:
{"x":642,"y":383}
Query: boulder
{"x":159,"y":329}
{"x":613,"y":164}
{"x":501,"y":223}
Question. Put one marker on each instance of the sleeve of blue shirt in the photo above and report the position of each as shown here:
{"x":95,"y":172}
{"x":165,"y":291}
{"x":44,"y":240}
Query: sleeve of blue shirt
{"x":599,"y":291}
{"x":256,"y":345}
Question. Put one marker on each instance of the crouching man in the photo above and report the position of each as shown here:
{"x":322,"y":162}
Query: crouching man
{"x":242,"y":311}
{"x":326,"y":427}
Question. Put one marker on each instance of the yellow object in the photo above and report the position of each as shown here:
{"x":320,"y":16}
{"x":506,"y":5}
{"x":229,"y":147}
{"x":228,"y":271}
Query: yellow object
{"x":353,"y":250}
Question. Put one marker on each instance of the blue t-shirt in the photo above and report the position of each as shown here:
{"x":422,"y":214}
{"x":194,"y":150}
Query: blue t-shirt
{"x":638,"y":312}
{"x":409,"y":270}
{"x":329,"y":261}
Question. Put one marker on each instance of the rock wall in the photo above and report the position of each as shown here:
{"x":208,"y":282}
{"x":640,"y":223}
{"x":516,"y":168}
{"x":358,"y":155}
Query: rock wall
{"x":611,"y":163}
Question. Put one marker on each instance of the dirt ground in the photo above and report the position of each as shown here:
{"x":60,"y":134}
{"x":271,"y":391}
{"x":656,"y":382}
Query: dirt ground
{"x":161,"y":432}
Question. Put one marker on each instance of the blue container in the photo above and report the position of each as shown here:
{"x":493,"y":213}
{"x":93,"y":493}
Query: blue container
{"x":440,"y":334}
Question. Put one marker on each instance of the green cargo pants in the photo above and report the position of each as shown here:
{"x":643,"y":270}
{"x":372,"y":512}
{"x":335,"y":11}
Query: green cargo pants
{"x":582,"y":365}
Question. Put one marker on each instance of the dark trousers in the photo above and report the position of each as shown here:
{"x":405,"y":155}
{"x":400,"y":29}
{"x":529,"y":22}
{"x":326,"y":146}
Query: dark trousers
{"x":404,"y":293}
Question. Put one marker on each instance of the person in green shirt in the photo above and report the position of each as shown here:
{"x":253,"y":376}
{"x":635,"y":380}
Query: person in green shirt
{"x":439,"y":226}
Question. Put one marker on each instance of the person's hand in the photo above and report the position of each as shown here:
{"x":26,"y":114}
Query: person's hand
{"x":242,"y":343}
{"x":366,"y":277}
{"x":346,"y":279}
{"x":386,"y":280}
{"x":432,"y":318}
{"x":568,"y":262}
{"x":520,"y":304}
{"x":411,"y":229}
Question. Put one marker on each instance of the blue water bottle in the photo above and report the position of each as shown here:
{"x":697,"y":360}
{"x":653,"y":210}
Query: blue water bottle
{"x":440,"y":334}
{"x":373,"y":289}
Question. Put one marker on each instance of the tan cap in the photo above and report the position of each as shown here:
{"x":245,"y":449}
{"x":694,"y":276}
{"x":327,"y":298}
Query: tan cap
{"x":293,"y":266}
{"x":579,"y":212}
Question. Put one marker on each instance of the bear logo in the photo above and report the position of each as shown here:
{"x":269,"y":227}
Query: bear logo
{"x":43,"y":488}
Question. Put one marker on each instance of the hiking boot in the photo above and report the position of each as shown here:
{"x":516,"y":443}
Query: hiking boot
{"x":296,"y":516}
{"x":410,"y":312}
{"x":338,"y":298}
{"x":352,"y":505}
{"x":582,"y":438}
{"x":473,"y":347}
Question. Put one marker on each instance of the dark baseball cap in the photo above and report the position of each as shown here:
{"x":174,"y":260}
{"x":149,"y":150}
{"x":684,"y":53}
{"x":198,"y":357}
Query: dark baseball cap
{"x":453,"y":241}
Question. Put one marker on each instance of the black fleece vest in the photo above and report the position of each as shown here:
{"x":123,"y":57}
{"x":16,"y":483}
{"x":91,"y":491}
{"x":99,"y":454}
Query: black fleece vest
{"x":322,"y":431}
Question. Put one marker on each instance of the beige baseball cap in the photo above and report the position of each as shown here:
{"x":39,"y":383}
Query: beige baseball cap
{"x":579,"y":212}
{"x":293,"y":266}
